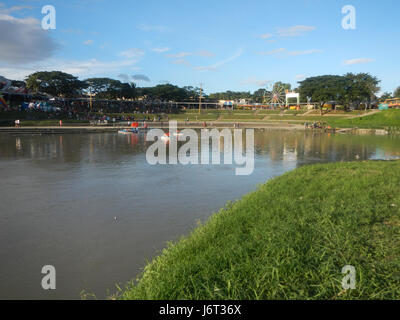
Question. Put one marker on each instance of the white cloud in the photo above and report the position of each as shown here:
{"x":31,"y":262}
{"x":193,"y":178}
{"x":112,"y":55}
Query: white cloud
{"x":88,"y":42}
{"x":161,"y":50}
{"x":290,"y":53}
{"x":299,"y":53}
{"x":179,"y":55}
{"x":268,"y":53}
{"x":255,"y":81}
{"x":358,"y":61}
{"x":7,"y":11}
{"x":23,"y":40}
{"x":132,"y":53}
{"x":205,"y":53}
{"x":266,"y":36}
{"x":181,"y":61}
{"x":202,"y":53}
{"x":300,"y":77}
{"x":217,"y":65}
{"x":86,"y":68}
{"x":294,"y":31}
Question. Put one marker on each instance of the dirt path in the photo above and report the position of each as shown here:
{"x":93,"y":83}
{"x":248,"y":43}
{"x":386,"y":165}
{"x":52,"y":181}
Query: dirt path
{"x":365,"y":115}
{"x":306,"y":113}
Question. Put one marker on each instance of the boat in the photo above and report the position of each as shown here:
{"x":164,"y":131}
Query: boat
{"x":128,"y":131}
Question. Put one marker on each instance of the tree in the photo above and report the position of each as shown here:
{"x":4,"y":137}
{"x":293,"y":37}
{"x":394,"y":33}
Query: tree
{"x":18,"y":84}
{"x":193,"y":93}
{"x":259,"y":95}
{"x":230,"y":95}
{"x":348,"y":89}
{"x":128,"y":90}
{"x":324,"y":89}
{"x":396,"y":93}
{"x":282,"y":86}
{"x":55,"y":83}
{"x":104,"y":88}
{"x":167,"y":92}
{"x":361,"y":88}
{"x":385,"y":96}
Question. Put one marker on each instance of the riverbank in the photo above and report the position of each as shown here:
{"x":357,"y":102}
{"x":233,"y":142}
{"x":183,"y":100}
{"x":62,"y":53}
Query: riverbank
{"x":388,"y":120}
{"x":66,"y":129}
{"x":290,"y":239}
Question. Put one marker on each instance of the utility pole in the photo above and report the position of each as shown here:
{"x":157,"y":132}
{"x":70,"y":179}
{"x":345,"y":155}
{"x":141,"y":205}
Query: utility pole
{"x":201,"y":96}
{"x":90,"y":101}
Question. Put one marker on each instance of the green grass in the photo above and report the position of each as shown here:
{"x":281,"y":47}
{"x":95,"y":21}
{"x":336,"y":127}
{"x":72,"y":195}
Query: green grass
{"x":389,"y":119}
{"x":270,"y":112}
{"x":290,"y":239}
{"x":243,"y":117}
{"x":193,"y":117}
{"x":295,"y":112}
{"x":302,"y":119}
{"x":216,"y":111}
{"x":50,"y":123}
{"x":381,"y":120}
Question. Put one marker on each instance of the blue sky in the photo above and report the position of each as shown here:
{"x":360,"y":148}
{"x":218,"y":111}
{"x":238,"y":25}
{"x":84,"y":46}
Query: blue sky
{"x":226,"y":45}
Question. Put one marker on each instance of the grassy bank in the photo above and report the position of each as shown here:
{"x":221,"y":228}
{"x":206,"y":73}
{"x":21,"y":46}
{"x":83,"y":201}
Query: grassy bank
{"x":381,"y":120}
{"x":290,"y":239}
{"x":49,"y":123}
{"x":389,"y":119}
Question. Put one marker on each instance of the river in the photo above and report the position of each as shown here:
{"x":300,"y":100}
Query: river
{"x":95,"y":209}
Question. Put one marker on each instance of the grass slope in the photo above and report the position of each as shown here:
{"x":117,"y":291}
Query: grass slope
{"x":290,"y":239}
{"x":381,"y":120}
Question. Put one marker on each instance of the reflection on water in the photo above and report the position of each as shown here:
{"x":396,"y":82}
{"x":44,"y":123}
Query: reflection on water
{"x":60,"y":194}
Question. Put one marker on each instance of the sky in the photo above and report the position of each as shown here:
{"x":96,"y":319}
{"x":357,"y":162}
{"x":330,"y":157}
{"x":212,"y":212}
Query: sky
{"x":223,"y":45}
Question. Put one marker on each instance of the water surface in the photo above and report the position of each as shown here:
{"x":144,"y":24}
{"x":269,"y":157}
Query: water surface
{"x":59,"y":195}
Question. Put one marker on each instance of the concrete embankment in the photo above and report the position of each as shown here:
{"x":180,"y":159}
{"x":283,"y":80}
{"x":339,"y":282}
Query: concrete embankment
{"x":181,"y":125}
{"x":56,"y":130}
{"x":163,"y":125}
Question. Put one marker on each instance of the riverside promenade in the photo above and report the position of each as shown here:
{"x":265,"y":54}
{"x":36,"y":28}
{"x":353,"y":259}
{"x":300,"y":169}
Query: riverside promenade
{"x":150,"y":125}
{"x":81,"y":129}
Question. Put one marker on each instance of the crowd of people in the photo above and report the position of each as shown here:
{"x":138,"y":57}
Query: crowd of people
{"x":76,"y":109}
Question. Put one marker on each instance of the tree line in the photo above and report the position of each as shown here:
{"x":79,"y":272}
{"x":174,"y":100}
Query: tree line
{"x":349,"y":89}
{"x":60,"y":84}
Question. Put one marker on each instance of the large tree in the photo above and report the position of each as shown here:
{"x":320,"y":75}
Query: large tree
{"x":128,"y":90}
{"x":55,"y":83}
{"x":350,"y":89}
{"x":167,"y":92}
{"x":259,"y":95}
{"x":361,"y":88}
{"x":396,"y":93}
{"x":104,"y":88}
{"x":282,"y":86}
{"x":230,"y":95}
{"x":323,"y":89}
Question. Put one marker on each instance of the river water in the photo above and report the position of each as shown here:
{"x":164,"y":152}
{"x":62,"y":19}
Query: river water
{"x":92,"y":206}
